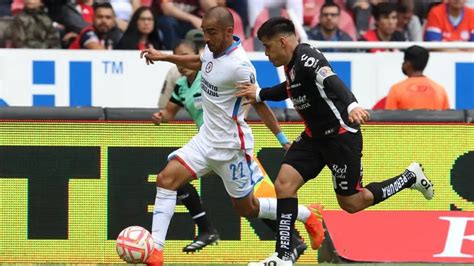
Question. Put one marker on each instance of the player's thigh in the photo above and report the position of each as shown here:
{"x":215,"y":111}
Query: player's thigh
{"x":288,"y":181}
{"x":238,"y":171}
{"x":305,"y":158}
{"x":185,"y":164}
{"x":174,"y":176}
{"x":343,"y":154}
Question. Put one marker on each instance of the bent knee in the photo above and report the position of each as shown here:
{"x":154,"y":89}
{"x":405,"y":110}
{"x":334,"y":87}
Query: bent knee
{"x":166,"y":181}
{"x":285,"y":188}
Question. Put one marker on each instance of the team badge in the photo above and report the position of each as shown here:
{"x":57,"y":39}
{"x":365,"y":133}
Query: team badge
{"x":325,"y":72}
{"x":209,"y":67}
{"x":252,"y":78}
{"x":292,"y":74}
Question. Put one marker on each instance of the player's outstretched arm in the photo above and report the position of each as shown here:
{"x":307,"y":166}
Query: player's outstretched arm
{"x":188,"y":61}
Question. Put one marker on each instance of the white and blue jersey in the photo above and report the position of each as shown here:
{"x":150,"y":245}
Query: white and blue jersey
{"x":224,"y":125}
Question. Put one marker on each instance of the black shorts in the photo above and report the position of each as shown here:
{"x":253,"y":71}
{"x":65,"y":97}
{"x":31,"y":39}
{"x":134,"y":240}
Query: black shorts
{"x":342,"y":153}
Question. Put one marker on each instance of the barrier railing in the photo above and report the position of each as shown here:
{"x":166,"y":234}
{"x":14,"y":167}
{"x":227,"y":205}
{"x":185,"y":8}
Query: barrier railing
{"x":392,"y":45}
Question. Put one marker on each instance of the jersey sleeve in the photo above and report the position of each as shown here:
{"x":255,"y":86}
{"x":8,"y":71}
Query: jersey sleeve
{"x":275,"y":93}
{"x":245,"y":73}
{"x":327,"y":81}
{"x":175,"y":96}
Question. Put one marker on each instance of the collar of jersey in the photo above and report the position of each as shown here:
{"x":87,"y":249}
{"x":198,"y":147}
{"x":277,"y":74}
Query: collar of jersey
{"x":293,"y":57}
{"x":459,"y":20}
{"x":231,"y":48}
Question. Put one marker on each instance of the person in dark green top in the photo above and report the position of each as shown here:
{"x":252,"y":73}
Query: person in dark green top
{"x":187,"y":95}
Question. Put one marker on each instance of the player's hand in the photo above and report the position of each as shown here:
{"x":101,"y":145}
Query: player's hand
{"x":157,"y":118}
{"x":248,"y":91}
{"x":287,"y":146}
{"x":359,"y":115}
{"x":151,"y":55}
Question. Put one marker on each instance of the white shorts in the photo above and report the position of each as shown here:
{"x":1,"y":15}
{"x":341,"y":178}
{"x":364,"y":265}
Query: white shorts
{"x":237,"y":168}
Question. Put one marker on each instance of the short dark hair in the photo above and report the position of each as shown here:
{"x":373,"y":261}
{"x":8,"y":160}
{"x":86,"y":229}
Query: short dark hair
{"x":330,"y":4}
{"x":102,"y":5}
{"x":418,"y":57}
{"x":221,"y":14}
{"x":405,"y":6}
{"x":274,"y":26}
{"x":189,"y":43}
{"x":383,"y":9}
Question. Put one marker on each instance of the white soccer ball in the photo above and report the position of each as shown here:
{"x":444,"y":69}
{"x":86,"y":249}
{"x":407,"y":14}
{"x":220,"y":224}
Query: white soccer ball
{"x":134,"y":244}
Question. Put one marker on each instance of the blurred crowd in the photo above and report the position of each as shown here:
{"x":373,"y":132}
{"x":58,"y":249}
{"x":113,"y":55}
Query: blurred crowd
{"x":162,"y":24}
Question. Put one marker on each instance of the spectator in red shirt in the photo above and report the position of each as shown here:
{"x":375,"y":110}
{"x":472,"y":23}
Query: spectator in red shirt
{"x":103,"y":34}
{"x":141,"y":32}
{"x":450,"y":21}
{"x":386,"y":19}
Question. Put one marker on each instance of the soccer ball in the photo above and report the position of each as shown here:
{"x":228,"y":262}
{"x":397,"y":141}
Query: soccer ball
{"x":134,"y":244}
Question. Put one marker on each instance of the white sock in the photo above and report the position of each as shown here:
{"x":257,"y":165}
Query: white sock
{"x":165,"y":203}
{"x":268,"y":210}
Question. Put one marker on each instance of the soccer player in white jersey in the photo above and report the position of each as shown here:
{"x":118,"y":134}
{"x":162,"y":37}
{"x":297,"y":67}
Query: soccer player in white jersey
{"x":224,"y":144}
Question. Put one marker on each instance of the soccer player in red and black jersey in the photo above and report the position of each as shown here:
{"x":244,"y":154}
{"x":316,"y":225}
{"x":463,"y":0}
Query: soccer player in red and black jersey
{"x":331,"y":137}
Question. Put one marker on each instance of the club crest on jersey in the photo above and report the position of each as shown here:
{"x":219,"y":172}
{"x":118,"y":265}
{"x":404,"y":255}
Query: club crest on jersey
{"x":209,"y":67}
{"x":292,"y":73}
{"x":252,"y":78}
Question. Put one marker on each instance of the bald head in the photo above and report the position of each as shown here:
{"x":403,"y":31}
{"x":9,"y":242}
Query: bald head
{"x":221,"y":15}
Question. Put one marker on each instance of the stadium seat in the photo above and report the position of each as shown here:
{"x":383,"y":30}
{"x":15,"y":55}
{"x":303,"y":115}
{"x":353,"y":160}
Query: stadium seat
{"x":238,"y":25}
{"x":380,"y":105}
{"x":146,"y":2}
{"x":265,"y":15}
{"x":17,"y":6}
{"x":311,"y":10}
{"x":248,"y":44}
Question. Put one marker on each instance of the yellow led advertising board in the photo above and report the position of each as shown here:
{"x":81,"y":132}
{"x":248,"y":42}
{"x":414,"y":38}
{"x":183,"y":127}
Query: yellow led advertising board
{"x":68,"y":188}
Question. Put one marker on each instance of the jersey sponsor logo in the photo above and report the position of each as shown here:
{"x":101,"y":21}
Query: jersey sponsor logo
{"x":296,"y":85}
{"x":339,"y":173}
{"x":209,"y":67}
{"x":300,"y":102}
{"x":309,"y":61}
{"x":209,"y":88}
